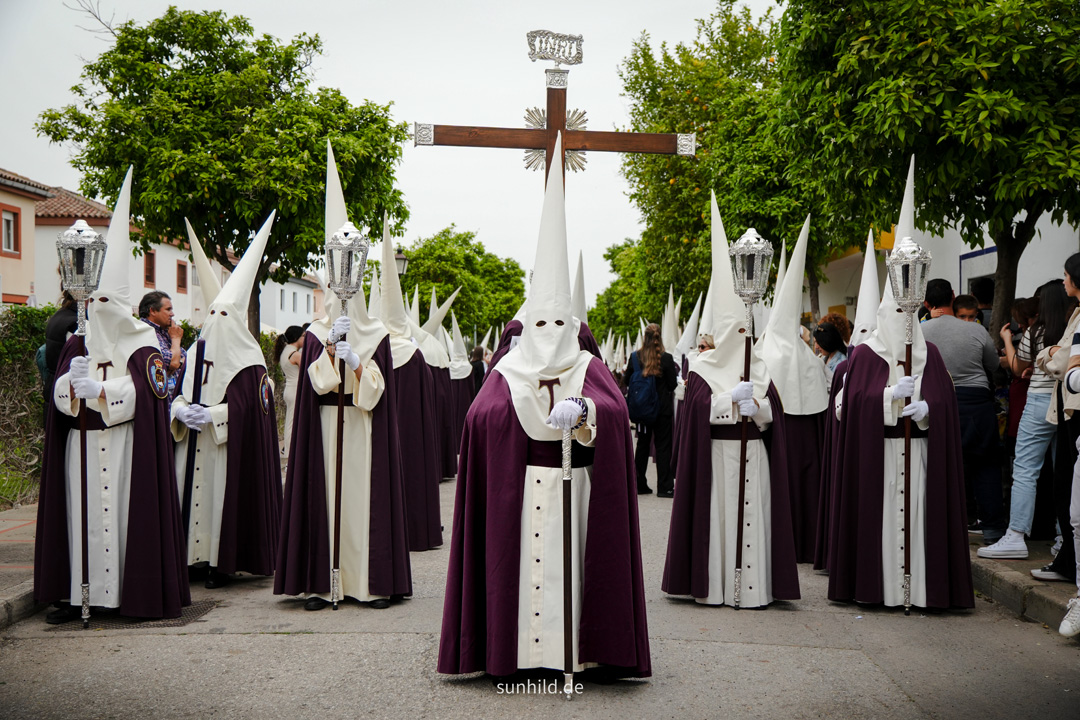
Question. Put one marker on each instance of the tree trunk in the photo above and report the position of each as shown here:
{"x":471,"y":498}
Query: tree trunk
{"x":815,"y":304}
{"x":254,"y":310}
{"x":1011,"y":241}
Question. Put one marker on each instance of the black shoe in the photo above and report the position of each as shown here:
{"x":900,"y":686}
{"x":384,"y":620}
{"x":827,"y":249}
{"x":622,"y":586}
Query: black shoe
{"x":315,"y":603}
{"x":665,"y":493}
{"x":63,"y":615}
{"x":216,"y":580}
{"x":379,"y":604}
{"x":646,"y":490}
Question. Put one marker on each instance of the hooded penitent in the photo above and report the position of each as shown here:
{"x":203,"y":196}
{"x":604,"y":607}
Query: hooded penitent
{"x":394,"y":316}
{"x":799,"y":376}
{"x":869,"y":297}
{"x":208,"y":279}
{"x":687,"y":345}
{"x":578,"y":299}
{"x":722,"y":368}
{"x":669,"y":329}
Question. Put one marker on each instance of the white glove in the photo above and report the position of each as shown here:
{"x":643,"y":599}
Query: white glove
{"x":343,"y":351}
{"x":680,"y":391}
{"x":748,"y":408}
{"x":916,"y":410}
{"x":742,"y":391}
{"x":564,"y":415}
{"x":80,"y":367}
{"x":340,"y":328}
{"x":904,"y":388}
{"x":86,"y":388}
{"x":194,"y":416}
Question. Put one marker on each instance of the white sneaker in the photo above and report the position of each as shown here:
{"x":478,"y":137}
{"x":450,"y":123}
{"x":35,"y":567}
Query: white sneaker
{"x":1057,"y":546}
{"x":1011,"y":545}
{"x":1070,"y":624}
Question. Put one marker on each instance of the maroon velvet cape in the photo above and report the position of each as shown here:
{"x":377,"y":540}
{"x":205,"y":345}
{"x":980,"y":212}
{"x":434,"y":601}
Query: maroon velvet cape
{"x":803,"y":451}
{"x":420,"y":468}
{"x":586,"y":341}
{"x":686,"y":570}
{"x":251,"y":512}
{"x":444,"y":413}
{"x":303,"y":559}
{"x":826,"y":487}
{"x":479,"y":628}
{"x":462,"y":393}
{"x":855,"y":571}
{"x":155,"y":572}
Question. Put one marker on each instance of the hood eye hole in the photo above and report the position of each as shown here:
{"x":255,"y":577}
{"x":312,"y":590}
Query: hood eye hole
{"x":213,"y":311}
{"x":742,"y":330}
{"x":541,"y":323}
{"x":224,"y":312}
{"x":104,"y":299}
{"x":560,"y":323}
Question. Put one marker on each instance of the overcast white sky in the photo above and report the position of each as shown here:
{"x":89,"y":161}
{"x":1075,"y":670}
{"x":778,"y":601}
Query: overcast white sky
{"x":460,"y":62}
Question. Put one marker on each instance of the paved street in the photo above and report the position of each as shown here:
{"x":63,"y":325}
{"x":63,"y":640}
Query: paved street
{"x":255,"y":655}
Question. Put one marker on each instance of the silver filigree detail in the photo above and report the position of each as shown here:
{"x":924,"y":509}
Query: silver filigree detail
{"x":686,"y":144}
{"x":907,"y":592}
{"x":335,"y":586}
{"x":536,"y":159}
{"x":557,"y":78}
{"x":86,"y":604}
{"x":547,"y":45}
{"x":423,"y":134}
{"x":738,"y":586}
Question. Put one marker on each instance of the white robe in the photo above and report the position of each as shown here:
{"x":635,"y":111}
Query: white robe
{"x":208,"y":480}
{"x":108,"y":483}
{"x":356,"y":476}
{"x":892,"y":512}
{"x":756,"y":588}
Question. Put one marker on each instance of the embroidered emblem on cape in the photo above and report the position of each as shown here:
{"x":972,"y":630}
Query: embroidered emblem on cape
{"x":156,"y":375}
{"x":266,"y":393}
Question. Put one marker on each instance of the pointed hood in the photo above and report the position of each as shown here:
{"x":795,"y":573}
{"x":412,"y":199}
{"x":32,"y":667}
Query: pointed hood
{"x":438,"y":312}
{"x":112,"y":331}
{"x":549,"y":345}
{"x":888,"y":338}
{"x":230,"y":346}
{"x":432,"y":309}
{"x":367,"y":332}
{"x":460,"y":367}
{"x":486,"y":340}
{"x":705,"y":320}
{"x":208,"y":279}
{"x":375,"y":295}
{"x":687,"y":344}
{"x":781,"y":271}
{"x":394,"y":316}
{"x":669,"y":328}
{"x":798,"y":374}
{"x":577,"y":299}
{"x":869,"y":298}
{"x":722,"y":367}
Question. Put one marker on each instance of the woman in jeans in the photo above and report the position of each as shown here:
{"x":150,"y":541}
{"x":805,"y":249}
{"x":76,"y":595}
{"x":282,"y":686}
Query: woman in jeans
{"x":1035,"y":433}
{"x":660,"y":366}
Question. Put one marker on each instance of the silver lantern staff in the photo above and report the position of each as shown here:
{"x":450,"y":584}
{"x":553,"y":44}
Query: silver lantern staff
{"x":909,"y":267}
{"x":346,"y":257}
{"x":751,"y":258}
{"x":81,"y":252}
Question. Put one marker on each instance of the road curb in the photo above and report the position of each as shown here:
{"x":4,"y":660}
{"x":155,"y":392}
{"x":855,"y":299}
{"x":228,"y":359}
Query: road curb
{"x":1018,"y":592}
{"x":17,"y":603}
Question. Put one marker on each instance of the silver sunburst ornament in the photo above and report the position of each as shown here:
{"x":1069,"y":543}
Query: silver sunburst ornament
{"x":536,"y":119}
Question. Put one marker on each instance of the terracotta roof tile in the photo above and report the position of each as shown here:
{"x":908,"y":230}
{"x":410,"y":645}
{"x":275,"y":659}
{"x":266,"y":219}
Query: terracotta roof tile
{"x":68,"y":204}
{"x":24,"y":183}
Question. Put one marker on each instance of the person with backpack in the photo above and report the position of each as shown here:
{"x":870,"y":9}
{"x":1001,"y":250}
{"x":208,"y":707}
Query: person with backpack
{"x":651,"y":377}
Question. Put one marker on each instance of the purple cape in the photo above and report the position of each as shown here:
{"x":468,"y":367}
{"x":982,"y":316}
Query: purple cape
{"x":462,"y":393}
{"x":444,"y":412}
{"x":480,"y":614}
{"x":686,"y":570}
{"x":586,"y":341}
{"x":420,"y":469}
{"x":826,"y":494}
{"x":803,"y":452}
{"x":155,"y":575}
{"x":303,"y":558}
{"x":252,"y":509}
{"x":855,"y":571}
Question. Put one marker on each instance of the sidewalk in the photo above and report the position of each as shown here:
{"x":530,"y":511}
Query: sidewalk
{"x":1005,"y":582}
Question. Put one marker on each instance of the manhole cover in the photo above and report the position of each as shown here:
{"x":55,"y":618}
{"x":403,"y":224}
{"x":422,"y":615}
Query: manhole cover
{"x":113,"y":621}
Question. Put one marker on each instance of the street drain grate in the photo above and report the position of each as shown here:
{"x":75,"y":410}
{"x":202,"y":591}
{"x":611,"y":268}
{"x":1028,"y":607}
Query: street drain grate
{"x":112,"y":621}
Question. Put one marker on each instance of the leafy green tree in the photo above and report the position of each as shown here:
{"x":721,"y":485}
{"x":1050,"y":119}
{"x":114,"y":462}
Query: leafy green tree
{"x":722,"y":86}
{"x":223,"y":127}
{"x":492,"y":288}
{"x":984,"y":94}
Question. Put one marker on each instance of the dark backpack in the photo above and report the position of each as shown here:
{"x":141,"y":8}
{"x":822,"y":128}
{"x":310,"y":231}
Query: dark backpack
{"x":642,"y":400}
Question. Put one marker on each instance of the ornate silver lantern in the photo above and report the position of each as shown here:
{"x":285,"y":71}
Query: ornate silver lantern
{"x":751,"y":259}
{"x":346,"y":257}
{"x":81,"y":251}
{"x":909,"y":269}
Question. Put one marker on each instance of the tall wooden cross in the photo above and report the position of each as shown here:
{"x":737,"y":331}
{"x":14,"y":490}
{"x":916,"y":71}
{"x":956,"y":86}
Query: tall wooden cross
{"x":539,"y":138}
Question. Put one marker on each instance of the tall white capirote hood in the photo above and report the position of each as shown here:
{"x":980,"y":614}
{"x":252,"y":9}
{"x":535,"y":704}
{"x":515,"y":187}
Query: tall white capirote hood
{"x":549,"y":344}
{"x":486,"y":340}
{"x":113,"y":333}
{"x":374,"y":304}
{"x":392,"y":303}
{"x":705,"y":321}
{"x":439,"y":312}
{"x":798,"y":374}
{"x":781,"y":271}
{"x":367,"y":332}
{"x":722,"y":367}
{"x":230,"y":346}
{"x":460,"y":367}
{"x":888,"y":339}
{"x":577,"y":299}
{"x":688,"y":340}
{"x":414,"y":306}
{"x":208,"y":279}
{"x":869,"y":297}
{"x":669,"y":330}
